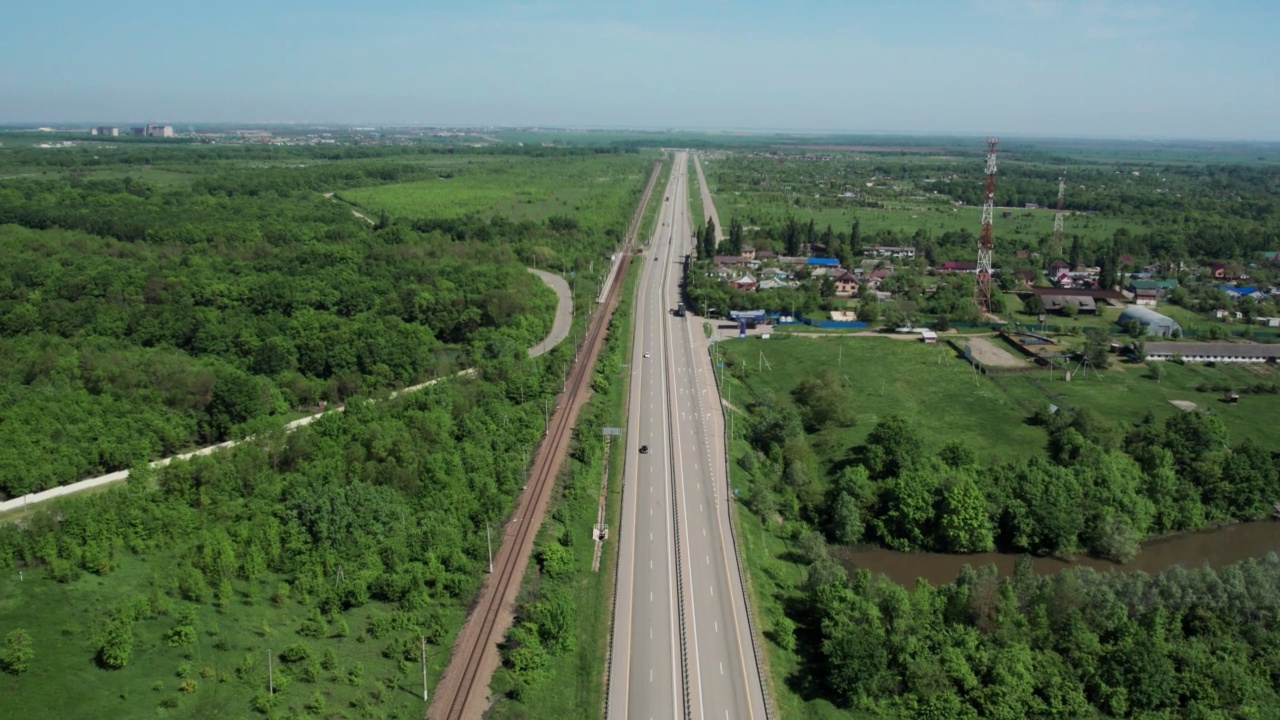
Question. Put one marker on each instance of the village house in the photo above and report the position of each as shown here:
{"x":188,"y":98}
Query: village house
{"x":1024,"y":278}
{"x":888,"y":251}
{"x":956,"y":266}
{"x":744,"y":282}
{"x":847,"y":284}
{"x":749,"y":253}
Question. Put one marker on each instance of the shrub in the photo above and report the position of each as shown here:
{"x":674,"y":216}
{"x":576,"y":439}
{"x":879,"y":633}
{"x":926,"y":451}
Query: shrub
{"x":17,"y":653}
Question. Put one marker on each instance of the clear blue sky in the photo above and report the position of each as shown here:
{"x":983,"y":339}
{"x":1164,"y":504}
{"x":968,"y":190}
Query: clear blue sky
{"x":1109,"y":68}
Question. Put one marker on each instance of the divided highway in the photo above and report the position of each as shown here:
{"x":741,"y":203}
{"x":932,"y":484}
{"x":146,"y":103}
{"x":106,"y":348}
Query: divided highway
{"x":681,"y":642}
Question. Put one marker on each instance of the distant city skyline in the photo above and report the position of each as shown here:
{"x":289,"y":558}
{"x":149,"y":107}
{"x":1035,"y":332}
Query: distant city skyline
{"x":1184,"y":69}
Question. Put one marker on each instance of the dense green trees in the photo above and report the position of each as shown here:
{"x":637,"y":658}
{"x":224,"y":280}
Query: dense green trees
{"x":1195,"y":643}
{"x":381,"y":503}
{"x":138,"y":321}
{"x":1094,"y":490}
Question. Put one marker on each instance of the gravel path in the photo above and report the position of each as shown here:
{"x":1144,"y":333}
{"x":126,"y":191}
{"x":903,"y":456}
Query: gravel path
{"x":564,"y":312}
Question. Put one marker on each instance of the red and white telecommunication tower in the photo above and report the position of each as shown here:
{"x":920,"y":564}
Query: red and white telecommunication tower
{"x":984,"y":241}
{"x":1057,"y":219}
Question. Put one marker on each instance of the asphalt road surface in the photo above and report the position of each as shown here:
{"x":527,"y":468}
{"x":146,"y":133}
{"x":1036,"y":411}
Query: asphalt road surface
{"x":674,"y":410}
{"x":564,"y":312}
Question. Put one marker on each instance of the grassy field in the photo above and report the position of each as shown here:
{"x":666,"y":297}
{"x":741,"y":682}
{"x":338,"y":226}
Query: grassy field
{"x":1023,"y":230}
{"x":226,"y":664}
{"x":655,"y":203}
{"x":595,"y":189}
{"x":931,"y":387}
{"x":927,"y":384}
{"x":697,"y":213}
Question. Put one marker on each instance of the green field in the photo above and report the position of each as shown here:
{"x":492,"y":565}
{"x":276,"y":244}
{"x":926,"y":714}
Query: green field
{"x":595,"y":190}
{"x":226,"y":662}
{"x":1023,"y":230}
{"x":925,"y":383}
{"x":938,"y":392}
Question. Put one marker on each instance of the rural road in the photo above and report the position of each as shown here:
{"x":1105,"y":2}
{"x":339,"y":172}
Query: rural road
{"x":680,"y":602}
{"x":564,"y":312}
{"x":559,"y":331}
{"x":353,"y":211}
{"x":708,"y":206}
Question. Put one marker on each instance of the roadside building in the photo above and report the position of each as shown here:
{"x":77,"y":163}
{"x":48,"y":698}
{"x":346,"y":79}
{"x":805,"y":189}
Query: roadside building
{"x":1194,"y":352}
{"x":957,"y":266}
{"x":1146,"y":296}
{"x":888,"y":251}
{"x":1152,"y":322}
{"x":1162,"y":287}
{"x":1084,"y":304}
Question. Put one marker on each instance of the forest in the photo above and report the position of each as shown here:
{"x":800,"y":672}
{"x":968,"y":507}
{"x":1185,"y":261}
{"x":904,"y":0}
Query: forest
{"x":139,"y":320}
{"x":1075,"y":644}
{"x":362,"y":530}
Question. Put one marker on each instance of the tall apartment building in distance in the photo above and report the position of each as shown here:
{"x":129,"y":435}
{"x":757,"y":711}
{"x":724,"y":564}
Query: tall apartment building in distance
{"x":154,"y":131}
{"x":105,"y":130}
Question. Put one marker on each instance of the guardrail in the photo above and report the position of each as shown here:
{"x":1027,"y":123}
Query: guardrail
{"x":684,"y":639}
{"x":737,"y":554}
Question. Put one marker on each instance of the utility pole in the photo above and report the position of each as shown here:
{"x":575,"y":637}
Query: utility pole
{"x":489,"y":542}
{"x":424,"y":668}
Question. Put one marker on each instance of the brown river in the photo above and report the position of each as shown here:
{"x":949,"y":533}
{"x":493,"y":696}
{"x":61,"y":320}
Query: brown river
{"x":1217,"y":547}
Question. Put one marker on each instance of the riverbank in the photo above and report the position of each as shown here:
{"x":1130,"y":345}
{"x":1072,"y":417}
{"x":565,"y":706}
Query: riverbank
{"x":1216,"y":547}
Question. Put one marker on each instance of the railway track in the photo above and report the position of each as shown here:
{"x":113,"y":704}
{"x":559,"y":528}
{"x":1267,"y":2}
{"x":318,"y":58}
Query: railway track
{"x":510,"y":565}
{"x":466,"y":675}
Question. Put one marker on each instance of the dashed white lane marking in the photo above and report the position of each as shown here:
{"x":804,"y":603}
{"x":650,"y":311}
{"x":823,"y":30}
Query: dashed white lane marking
{"x":721,"y":668}
{"x":713,"y":591}
{"x":717,"y":628}
{"x":650,"y":596}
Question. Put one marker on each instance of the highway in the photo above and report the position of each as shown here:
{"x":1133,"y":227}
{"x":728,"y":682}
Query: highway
{"x":681,"y":644}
